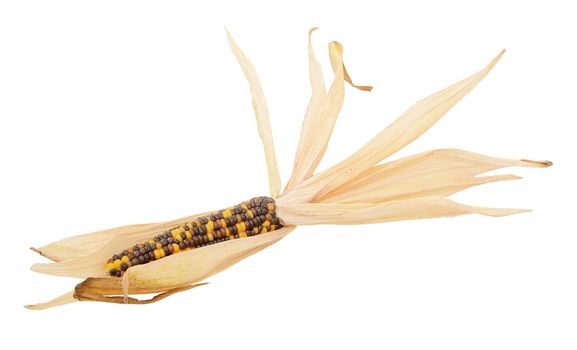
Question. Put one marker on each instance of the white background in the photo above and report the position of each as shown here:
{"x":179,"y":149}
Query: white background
{"x":116,"y":112}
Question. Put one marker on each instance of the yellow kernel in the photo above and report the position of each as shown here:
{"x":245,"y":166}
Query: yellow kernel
{"x":176,"y":235}
{"x":157,"y":254}
{"x":270,"y":206}
{"x":242,"y":227}
{"x":226,"y":213}
{"x":243,"y":206}
{"x":175,"y":247}
{"x":158,"y":246}
{"x":227,"y":231}
{"x":210,"y":236}
{"x":250,"y":214}
{"x":117,"y":263}
{"x":242,"y":234}
{"x":188,"y":235}
{"x":222,"y":223}
{"x":210,"y":227}
{"x":109,"y":266}
{"x":125,"y":259}
{"x":255,"y":230}
{"x":266,"y":224}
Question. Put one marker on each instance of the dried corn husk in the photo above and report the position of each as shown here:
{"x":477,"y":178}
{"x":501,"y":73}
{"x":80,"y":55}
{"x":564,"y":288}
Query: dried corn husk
{"x":262,"y":117}
{"x":169,"y":275}
{"x":358,"y":190}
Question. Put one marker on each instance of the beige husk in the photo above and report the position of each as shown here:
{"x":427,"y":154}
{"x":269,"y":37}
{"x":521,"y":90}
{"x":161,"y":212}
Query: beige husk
{"x":83,"y":245}
{"x":358,"y":190}
{"x":262,"y":117}
{"x":322,"y":113}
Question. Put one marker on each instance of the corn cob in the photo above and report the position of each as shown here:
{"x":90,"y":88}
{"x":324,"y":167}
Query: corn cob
{"x":246,"y":219}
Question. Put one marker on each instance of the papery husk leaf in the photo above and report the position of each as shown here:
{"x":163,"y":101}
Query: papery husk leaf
{"x":321,"y":114}
{"x":85,"y":244}
{"x":262,"y":116}
{"x":171,"y":274}
{"x":83,"y":293}
{"x":92,"y":265}
{"x":79,"y":246}
{"x":337,"y":63}
{"x":409,"y":126}
{"x":311,"y":119}
{"x":318,"y":125}
{"x":367,"y":213}
{"x":438,"y":172}
{"x":416,"y":187}
{"x":64,"y":299}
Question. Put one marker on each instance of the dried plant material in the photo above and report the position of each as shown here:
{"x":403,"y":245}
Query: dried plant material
{"x":409,"y":126}
{"x":321,"y":114}
{"x":175,"y":256}
{"x":337,"y":63}
{"x":439,"y":172}
{"x":64,"y":299}
{"x":395,"y":210}
{"x":83,"y":245}
{"x":262,"y":117}
{"x":301,"y":168}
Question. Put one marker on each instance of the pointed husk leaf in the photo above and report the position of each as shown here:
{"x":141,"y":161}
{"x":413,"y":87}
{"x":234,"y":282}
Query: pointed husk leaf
{"x":311,"y":119}
{"x":438,"y":172}
{"x":409,"y":126}
{"x":262,"y":116}
{"x":368,"y":213}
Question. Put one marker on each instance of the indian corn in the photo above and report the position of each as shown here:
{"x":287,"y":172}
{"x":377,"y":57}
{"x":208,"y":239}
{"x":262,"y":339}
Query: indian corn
{"x":247,"y":219}
{"x":177,"y":255}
